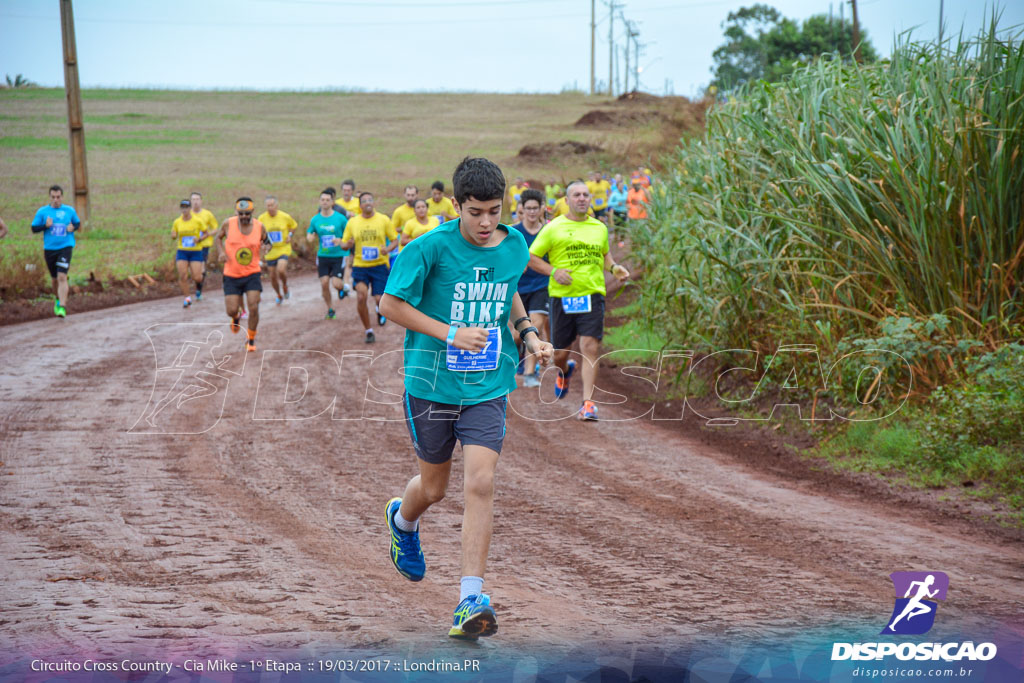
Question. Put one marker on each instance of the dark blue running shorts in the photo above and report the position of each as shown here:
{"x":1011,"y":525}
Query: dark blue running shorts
{"x":375,"y":277}
{"x":435,"y":427}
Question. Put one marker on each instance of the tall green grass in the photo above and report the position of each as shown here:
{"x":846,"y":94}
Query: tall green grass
{"x":816,"y":209}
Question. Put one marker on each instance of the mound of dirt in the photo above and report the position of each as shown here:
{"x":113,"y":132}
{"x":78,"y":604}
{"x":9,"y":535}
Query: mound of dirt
{"x":637,"y":96}
{"x":547,"y":150}
{"x":603,"y":117}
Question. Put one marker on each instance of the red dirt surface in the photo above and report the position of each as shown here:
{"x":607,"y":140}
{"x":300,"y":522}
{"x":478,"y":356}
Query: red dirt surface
{"x":119,"y":531}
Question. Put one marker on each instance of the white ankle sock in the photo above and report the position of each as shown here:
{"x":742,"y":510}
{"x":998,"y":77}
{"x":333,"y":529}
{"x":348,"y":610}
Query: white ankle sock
{"x":471,"y":585}
{"x":404,"y":524}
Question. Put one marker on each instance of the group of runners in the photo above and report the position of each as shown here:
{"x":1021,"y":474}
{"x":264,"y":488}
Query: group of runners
{"x":463,"y":285}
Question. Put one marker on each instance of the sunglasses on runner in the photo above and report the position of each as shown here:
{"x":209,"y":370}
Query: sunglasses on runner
{"x":245,"y":213}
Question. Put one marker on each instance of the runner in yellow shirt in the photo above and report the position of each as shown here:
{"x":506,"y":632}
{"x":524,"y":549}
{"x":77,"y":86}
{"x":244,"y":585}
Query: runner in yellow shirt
{"x":439,"y":205}
{"x":371,"y":237}
{"x":514,"y":191}
{"x":599,"y":189}
{"x":211,"y":226}
{"x":279,"y":226}
{"x":348,"y":201}
{"x":189,"y":231}
{"x":403,"y":214}
{"x":420,"y":224}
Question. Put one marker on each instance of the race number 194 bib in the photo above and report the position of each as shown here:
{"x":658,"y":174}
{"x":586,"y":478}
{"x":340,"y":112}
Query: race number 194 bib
{"x":473,"y":361}
{"x":576,"y":304}
{"x":371,"y":253}
{"x":275,"y":236}
{"x":326,"y":241}
{"x":188,"y":242}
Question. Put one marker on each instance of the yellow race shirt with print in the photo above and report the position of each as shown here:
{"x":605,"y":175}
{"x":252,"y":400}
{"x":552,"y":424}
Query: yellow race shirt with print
{"x":373,"y":233}
{"x":279,"y":229}
{"x":211,"y":226}
{"x":579,"y":246}
{"x":351,"y":206}
{"x":562,"y":208}
{"x":441,"y":208}
{"x":187,"y":232}
{"x":599,"y":193}
{"x":414,"y":228}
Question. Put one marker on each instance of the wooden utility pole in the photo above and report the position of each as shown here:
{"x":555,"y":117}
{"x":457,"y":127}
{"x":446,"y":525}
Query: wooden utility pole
{"x":593,"y":36}
{"x":856,"y":32}
{"x":76,"y":131}
{"x":611,"y":45}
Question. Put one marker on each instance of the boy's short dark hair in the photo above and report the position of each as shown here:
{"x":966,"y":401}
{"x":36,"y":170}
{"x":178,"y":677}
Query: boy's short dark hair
{"x":438,"y":185}
{"x":55,"y":187}
{"x":363,"y":194}
{"x":535,"y":195}
{"x":418,"y":200}
{"x":329,"y":190}
{"x":348,"y":181}
{"x":478,"y":178}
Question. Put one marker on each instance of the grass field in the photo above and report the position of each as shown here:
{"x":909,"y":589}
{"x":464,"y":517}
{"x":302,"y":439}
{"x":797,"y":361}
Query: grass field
{"x":148,"y":149}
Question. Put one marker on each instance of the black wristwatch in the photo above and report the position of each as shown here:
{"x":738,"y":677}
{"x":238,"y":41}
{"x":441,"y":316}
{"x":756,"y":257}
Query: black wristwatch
{"x":515,"y":325}
{"x":525,"y":330}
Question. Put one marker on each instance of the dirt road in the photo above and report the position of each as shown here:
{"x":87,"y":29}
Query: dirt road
{"x":136,"y":512}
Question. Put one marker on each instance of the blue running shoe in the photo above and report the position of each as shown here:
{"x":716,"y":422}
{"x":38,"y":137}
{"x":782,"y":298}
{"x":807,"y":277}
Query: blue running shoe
{"x":474,"y":617}
{"x":199,"y":296}
{"x":562,"y":381}
{"x":406,"y":554}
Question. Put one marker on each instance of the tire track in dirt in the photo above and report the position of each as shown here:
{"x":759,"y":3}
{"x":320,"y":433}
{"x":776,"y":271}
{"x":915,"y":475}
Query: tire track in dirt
{"x":260,"y":534}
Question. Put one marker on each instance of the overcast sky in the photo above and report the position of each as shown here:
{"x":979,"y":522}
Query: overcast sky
{"x":408,"y":45}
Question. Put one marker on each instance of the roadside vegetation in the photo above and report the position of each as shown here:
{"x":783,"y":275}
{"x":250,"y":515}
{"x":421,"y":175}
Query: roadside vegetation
{"x":872,"y":209}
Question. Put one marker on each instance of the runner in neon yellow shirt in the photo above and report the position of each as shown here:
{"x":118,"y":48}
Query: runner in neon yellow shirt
{"x":439,"y":205}
{"x":577,"y":249}
{"x":371,"y":237}
{"x":279,"y":226}
{"x":421,"y":224}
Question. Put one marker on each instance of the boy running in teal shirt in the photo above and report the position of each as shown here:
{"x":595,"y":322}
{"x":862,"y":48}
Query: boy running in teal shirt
{"x":454,"y":290}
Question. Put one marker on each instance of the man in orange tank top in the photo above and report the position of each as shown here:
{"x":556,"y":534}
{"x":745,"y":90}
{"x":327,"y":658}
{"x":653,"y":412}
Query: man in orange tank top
{"x":240,"y":242}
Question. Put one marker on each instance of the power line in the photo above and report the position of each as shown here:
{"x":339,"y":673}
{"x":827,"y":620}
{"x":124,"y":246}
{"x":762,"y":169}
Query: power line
{"x":305,"y":24}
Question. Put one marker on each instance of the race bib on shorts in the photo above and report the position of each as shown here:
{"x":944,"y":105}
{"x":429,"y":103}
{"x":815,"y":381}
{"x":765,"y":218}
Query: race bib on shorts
{"x":459,"y":360}
{"x":326,"y":241}
{"x":371,"y":253}
{"x":576,"y":304}
{"x":275,"y":236}
{"x":188,"y":242}
{"x":59,"y":230}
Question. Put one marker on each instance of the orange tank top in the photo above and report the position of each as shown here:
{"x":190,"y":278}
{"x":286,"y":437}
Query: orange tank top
{"x":243,"y":250}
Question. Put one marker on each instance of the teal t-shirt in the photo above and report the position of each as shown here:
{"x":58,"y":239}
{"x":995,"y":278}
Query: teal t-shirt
{"x":325,"y":228}
{"x":449,"y":279}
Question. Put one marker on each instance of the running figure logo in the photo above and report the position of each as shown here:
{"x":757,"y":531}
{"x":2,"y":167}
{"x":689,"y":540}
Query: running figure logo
{"x":914,"y":612}
{"x":193,"y":368}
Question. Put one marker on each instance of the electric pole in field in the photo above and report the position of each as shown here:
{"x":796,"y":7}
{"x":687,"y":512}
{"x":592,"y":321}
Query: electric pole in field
{"x":856,"y":32}
{"x":611,"y":46}
{"x":76,"y":131}
{"x":593,"y":36}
